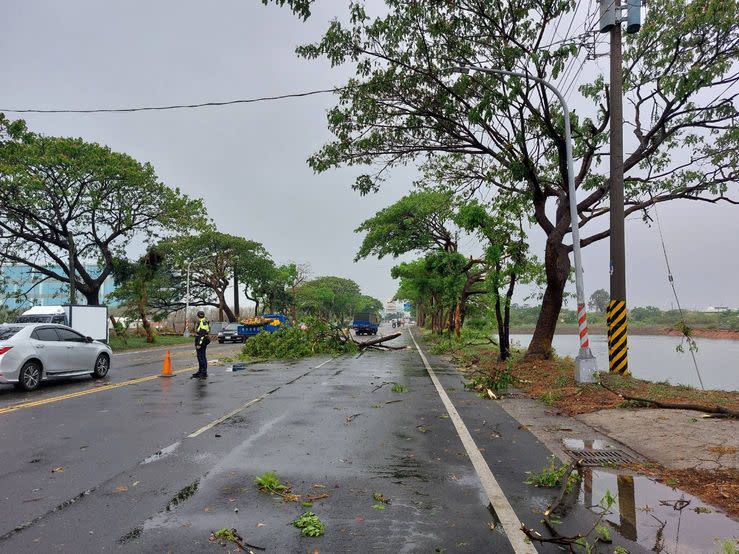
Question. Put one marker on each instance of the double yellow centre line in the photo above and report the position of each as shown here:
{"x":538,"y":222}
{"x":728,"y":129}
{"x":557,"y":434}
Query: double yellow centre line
{"x":103,"y":388}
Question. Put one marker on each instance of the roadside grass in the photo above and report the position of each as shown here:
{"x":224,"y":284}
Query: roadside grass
{"x":120,"y":344}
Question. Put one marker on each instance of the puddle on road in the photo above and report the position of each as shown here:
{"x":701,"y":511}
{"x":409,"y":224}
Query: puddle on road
{"x":656,"y":516}
{"x":159,"y":454}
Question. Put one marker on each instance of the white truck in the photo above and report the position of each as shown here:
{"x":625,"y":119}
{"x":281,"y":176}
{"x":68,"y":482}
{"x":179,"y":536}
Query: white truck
{"x":91,"y":321}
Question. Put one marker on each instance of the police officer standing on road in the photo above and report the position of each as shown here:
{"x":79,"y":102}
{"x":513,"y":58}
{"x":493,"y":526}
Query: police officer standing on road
{"x":202,"y":330}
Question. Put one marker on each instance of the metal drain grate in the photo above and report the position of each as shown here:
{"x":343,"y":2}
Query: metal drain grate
{"x":595,"y":458}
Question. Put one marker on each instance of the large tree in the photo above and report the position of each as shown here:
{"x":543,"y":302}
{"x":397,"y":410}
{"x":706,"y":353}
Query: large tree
{"x":330,"y":298}
{"x":403,"y":105}
{"x":212,"y":256}
{"x":62,"y":195}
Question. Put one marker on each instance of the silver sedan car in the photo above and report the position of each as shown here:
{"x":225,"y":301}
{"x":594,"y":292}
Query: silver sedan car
{"x":31,"y":353}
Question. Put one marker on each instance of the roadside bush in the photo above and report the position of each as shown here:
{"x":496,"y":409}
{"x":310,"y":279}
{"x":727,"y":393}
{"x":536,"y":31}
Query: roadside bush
{"x":292,"y":343}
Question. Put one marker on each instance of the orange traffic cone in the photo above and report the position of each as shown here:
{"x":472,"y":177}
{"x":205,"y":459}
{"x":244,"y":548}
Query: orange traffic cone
{"x":167,"y":366}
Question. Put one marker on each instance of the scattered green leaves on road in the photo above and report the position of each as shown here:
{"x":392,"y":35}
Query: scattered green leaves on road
{"x":397,"y":387}
{"x":268,"y":482}
{"x":310,"y":525}
{"x":379,"y":497}
{"x":552,"y":476}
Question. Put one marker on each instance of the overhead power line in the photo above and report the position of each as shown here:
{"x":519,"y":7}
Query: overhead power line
{"x":175,"y":106}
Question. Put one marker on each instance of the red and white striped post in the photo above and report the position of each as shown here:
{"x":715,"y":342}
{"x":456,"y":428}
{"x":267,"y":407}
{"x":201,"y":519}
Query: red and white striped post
{"x":582,"y":326}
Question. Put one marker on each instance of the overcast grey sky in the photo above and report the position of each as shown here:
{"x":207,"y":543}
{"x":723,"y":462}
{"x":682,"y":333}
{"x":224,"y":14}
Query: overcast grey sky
{"x":248,"y":161}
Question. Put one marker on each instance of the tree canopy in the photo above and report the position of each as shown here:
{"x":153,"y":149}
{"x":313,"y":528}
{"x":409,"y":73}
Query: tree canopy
{"x":403,"y":105}
{"x":213,"y":256}
{"x":64,"y":194}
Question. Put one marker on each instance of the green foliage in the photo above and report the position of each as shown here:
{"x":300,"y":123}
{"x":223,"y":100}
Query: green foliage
{"x":330,"y":298}
{"x":476,"y":131}
{"x":212,"y":256}
{"x":293,"y":343}
{"x":310,"y":525}
{"x":620,"y":550}
{"x":418,"y":222}
{"x":550,"y":397}
{"x":599,"y":300}
{"x":269,"y":482}
{"x":496,"y":380}
{"x":53,"y":186}
{"x":552,"y":476}
{"x":225,"y":535}
{"x":603,"y":532}
{"x":727,"y":546}
{"x":301,"y":8}
{"x":397,"y":387}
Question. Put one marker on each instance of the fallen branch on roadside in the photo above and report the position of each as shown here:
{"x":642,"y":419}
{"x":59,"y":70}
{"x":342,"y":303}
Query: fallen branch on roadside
{"x":720,"y":410}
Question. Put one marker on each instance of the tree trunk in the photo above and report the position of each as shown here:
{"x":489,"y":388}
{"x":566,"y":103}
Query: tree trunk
{"x":144,"y":321}
{"x":223,"y":307}
{"x":92,"y":296}
{"x":504,"y":332}
{"x":557,"y":265}
{"x":458,"y":318}
{"x":452,"y":319}
{"x":421,"y":315}
{"x":503,"y":348}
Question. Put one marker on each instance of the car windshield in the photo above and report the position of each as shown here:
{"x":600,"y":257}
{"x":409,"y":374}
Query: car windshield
{"x":232,"y":327}
{"x":7,"y":332}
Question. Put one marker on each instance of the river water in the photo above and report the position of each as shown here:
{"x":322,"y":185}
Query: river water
{"x":653,"y":357}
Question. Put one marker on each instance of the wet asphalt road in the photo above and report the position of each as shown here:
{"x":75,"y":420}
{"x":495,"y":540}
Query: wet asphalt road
{"x":155,"y":466}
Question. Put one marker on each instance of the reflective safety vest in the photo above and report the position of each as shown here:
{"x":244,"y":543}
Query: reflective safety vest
{"x":203,"y":325}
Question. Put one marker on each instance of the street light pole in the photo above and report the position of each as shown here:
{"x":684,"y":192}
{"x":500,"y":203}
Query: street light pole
{"x":585,"y":362}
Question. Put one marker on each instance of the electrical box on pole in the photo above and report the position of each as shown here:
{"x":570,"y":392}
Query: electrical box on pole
{"x":633,"y":16}
{"x":607,"y":15}
{"x":612,"y":14}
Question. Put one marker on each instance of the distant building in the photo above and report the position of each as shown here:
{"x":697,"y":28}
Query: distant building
{"x":717,"y":309}
{"x":25,"y":287}
{"x":391,"y":306}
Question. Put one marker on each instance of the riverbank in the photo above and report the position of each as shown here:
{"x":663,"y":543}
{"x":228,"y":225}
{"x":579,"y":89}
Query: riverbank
{"x":701,"y":332}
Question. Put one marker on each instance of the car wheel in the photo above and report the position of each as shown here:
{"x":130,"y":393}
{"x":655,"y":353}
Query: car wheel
{"x":29,"y":376}
{"x":220,"y":341}
{"x":102,"y":365}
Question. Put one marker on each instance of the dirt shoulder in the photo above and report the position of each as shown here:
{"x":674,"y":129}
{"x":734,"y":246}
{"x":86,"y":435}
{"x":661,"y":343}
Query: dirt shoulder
{"x":684,"y":448}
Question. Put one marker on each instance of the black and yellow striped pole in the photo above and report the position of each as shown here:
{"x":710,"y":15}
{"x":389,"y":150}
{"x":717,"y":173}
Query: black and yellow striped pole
{"x":617,"y":313}
{"x":618,"y":359}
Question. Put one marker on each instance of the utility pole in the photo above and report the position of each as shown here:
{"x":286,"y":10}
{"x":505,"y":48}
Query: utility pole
{"x":616,"y":315}
{"x":236,"y":290}
{"x":72,"y":282}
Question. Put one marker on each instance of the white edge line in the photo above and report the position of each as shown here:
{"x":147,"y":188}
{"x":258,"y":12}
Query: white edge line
{"x":239,"y":409}
{"x":504,"y":510}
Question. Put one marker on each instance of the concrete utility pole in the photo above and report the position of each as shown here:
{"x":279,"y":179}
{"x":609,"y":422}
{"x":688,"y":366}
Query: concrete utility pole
{"x":585,"y":363}
{"x":72,"y":282}
{"x":236,"y":290}
{"x":616,"y":314}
